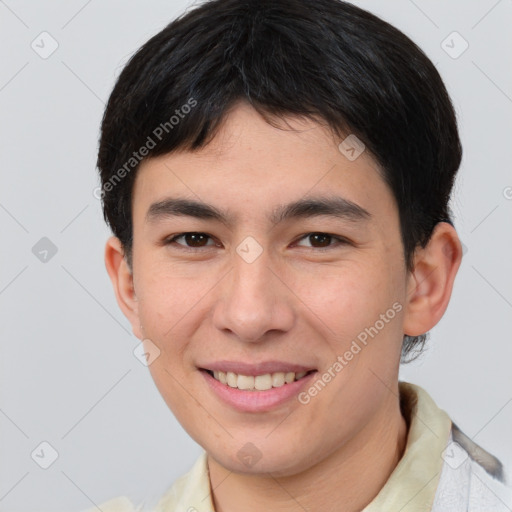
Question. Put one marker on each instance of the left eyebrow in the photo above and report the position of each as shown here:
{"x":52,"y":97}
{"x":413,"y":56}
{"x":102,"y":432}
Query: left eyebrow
{"x":338,"y":207}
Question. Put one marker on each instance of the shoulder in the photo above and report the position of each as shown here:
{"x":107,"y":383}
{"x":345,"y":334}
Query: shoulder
{"x":191,"y":491}
{"x":472,"y":479}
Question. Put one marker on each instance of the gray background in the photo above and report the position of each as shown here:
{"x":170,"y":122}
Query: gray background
{"x":68,"y":375}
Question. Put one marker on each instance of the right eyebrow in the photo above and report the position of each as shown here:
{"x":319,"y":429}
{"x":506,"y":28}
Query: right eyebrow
{"x":172,"y":207}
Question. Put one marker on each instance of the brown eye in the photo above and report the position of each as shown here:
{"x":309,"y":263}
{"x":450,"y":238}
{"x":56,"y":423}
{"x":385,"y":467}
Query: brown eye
{"x":196,"y":239}
{"x":191,"y":240}
{"x":320,"y":239}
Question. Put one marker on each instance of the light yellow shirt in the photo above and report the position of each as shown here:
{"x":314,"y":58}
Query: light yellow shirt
{"x":410,"y":488}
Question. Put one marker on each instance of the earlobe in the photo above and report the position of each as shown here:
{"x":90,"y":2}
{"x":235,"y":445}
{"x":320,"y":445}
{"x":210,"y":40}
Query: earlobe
{"x":122,"y":281}
{"x":431,"y":282}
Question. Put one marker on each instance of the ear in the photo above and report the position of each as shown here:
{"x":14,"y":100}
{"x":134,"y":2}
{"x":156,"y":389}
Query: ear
{"x":430,"y":284}
{"x":122,"y":281}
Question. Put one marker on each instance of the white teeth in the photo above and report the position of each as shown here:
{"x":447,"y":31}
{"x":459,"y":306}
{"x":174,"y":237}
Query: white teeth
{"x":231,"y":379}
{"x":289,"y":377}
{"x":245,"y":382}
{"x":258,"y":383}
{"x":277,"y":379}
{"x":263,"y":382}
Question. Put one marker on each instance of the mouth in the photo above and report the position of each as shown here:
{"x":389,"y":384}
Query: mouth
{"x":264,"y":382}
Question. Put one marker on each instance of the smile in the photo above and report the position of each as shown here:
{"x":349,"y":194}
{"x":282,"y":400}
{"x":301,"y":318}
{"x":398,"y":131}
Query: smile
{"x":258,"y":382}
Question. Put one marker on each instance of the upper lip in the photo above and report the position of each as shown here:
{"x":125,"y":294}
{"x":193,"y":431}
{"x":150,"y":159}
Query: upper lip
{"x":254,"y":369}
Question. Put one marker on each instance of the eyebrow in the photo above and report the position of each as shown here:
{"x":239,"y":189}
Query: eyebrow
{"x":337,"y":207}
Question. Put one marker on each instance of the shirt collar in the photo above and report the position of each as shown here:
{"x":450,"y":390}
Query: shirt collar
{"x":412,"y":485}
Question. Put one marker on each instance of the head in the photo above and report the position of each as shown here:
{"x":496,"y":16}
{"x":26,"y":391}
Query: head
{"x":309,"y":149}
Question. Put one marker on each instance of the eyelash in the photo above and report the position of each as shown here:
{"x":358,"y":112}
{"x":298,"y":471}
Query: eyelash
{"x":172,"y":241}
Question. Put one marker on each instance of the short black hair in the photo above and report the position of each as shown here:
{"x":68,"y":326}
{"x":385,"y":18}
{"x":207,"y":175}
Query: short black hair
{"x":325,"y":60}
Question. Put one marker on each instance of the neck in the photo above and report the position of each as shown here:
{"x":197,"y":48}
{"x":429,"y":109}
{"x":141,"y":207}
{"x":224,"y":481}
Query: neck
{"x":346,"y":481}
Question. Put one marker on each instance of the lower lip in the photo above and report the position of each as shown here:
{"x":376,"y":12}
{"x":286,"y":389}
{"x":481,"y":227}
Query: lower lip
{"x":256,"y":401}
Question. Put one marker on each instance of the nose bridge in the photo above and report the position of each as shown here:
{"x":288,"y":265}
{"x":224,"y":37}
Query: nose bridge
{"x":253,"y":301}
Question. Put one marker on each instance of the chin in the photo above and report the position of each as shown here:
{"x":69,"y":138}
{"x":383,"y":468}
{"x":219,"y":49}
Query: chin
{"x":250,"y":460}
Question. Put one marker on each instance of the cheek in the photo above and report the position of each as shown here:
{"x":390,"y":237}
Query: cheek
{"x":166,"y":291}
{"x":347,"y":299}
{"x":166,"y":305}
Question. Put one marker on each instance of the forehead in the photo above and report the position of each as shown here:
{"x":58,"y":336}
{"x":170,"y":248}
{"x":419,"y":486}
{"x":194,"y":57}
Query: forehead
{"x":253,"y":165}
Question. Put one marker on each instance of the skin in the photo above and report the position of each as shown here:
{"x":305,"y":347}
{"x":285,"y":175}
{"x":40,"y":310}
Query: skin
{"x":295,"y":303}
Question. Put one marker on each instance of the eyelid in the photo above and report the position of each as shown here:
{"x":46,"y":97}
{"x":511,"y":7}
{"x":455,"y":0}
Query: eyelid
{"x":340,"y":240}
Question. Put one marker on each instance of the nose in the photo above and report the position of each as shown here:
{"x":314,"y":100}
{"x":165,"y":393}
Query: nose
{"x":253,"y":301}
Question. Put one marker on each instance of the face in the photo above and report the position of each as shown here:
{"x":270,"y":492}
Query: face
{"x":269,"y":254}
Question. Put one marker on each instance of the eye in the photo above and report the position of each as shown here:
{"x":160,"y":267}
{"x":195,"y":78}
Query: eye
{"x":191,"y":240}
{"x":321,"y":241}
